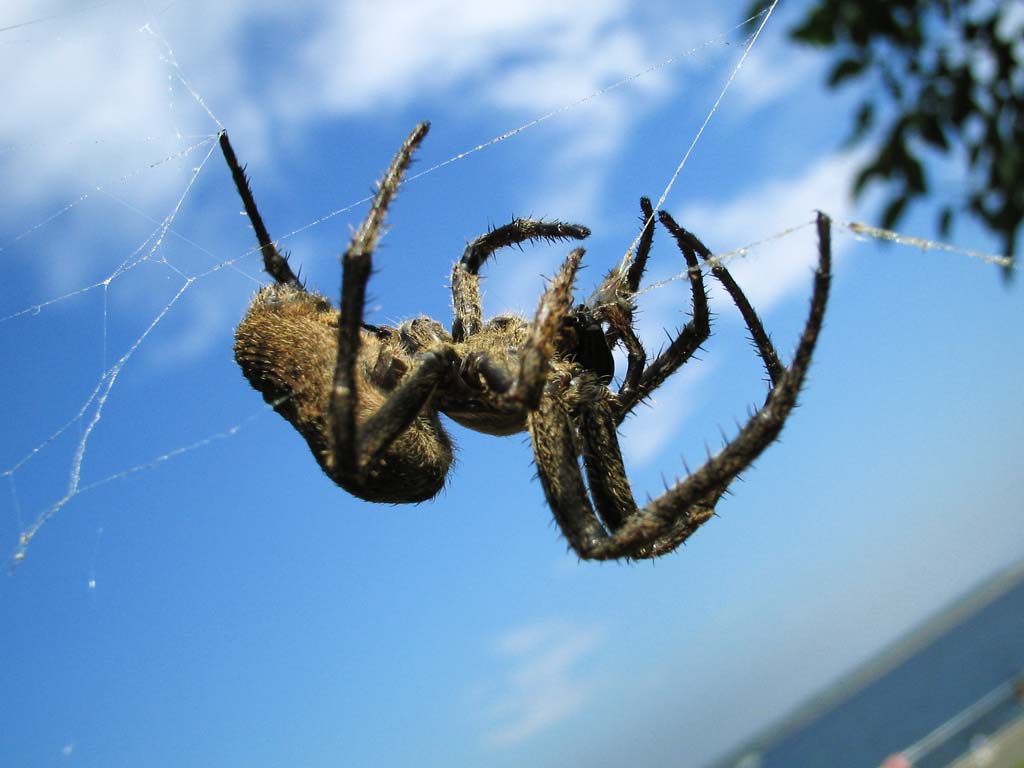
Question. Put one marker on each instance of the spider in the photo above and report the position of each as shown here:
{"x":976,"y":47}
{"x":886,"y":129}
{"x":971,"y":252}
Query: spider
{"x":368,"y":398}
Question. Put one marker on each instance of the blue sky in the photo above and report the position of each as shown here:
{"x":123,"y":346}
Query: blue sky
{"x":201,"y":594}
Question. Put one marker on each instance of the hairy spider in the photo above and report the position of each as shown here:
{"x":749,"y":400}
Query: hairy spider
{"x":367,"y":398}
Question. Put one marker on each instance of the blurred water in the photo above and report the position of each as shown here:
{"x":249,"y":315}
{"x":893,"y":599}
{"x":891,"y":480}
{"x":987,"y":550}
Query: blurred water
{"x":947,"y":674}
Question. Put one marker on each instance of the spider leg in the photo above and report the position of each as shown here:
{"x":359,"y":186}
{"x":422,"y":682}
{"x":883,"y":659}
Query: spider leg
{"x":765,"y":349}
{"x":695,"y":333}
{"x":636,"y":362}
{"x":552,"y":431}
{"x":643,"y":249}
{"x":609,"y":486}
{"x":687,"y":340}
{"x":357,"y":447}
{"x":542,"y":339}
{"x":274,"y":262}
{"x":672,"y":517}
{"x":555,"y":451}
{"x":554,"y":439}
{"x":466,"y":273}
{"x":613,"y":300}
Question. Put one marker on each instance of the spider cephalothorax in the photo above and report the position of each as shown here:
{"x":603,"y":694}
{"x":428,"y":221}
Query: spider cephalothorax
{"x":368,"y":399}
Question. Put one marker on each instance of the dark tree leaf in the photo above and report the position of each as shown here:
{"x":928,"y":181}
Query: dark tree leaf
{"x":863,"y":122}
{"x":917,"y":63}
{"x":930,"y":129}
{"x":845,"y":69}
{"x":945,"y":221}
{"x":894,"y":211}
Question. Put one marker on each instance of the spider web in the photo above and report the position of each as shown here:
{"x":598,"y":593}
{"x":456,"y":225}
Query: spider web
{"x":127,"y":303}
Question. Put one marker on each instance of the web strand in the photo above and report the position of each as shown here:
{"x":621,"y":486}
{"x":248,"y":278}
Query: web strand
{"x":103,"y":187}
{"x":628,"y":257}
{"x":97,"y":400}
{"x":859,"y":230}
{"x":168,"y":57}
{"x":888,"y":235}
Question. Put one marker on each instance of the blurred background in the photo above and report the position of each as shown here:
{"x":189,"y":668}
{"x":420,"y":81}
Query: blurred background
{"x":186,"y":586}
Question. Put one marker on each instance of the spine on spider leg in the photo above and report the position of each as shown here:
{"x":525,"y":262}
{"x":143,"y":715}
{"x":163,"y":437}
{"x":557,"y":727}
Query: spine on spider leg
{"x":819,"y":299}
{"x":643,"y":249}
{"x":274,"y":263}
{"x":365,"y":239}
{"x":762,"y":343}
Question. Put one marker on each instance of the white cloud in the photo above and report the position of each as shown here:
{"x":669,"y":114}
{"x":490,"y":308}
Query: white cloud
{"x":97,"y":118}
{"x":540,"y":686}
{"x":779,"y":266}
{"x":368,"y":55}
{"x":774,"y":69}
{"x":523,"y":60}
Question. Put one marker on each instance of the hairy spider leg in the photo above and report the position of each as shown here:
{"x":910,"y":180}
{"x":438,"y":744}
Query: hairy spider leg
{"x":542,"y":339}
{"x":274,"y":262}
{"x":669,"y":519}
{"x":765,"y":349}
{"x":639,"y":385}
{"x":610,"y":489}
{"x":643,"y":248}
{"x":699,"y":513}
{"x":466,"y":302}
{"x":357,"y":447}
{"x":623,"y":284}
{"x":609,"y":485}
{"x":621,"y":328}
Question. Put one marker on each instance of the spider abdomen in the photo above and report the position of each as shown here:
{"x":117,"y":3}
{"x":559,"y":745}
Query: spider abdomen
{"x":286,"y":346}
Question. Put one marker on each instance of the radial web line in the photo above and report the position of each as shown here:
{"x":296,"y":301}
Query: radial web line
{"x":98,"y":398}
{"x":102,"y":188}
{"x":175,"y":452}
{"x":104,"y":389}
{"x":168,"y":57}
